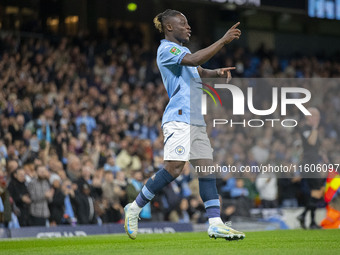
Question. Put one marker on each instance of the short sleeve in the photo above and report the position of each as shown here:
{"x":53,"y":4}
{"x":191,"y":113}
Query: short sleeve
{"x":171,"y":55}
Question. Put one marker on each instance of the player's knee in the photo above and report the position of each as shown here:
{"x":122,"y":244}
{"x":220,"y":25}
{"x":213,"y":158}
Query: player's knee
{"x":174,"y":168}
{"x":176,"y":172}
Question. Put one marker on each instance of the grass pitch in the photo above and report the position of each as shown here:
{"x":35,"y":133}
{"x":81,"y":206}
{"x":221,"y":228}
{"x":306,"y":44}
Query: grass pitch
{"x":268,"y":242}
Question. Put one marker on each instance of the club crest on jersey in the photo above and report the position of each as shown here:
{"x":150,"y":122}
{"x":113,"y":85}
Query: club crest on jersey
{"x":175,"y":51}
{"x":179,"y":150}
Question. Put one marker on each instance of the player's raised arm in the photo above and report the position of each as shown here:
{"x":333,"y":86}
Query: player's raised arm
{"x":203,"y":55}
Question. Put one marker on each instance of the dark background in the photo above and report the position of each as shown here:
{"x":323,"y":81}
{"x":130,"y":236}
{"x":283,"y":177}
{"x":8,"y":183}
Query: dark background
{"x":275,"y":24}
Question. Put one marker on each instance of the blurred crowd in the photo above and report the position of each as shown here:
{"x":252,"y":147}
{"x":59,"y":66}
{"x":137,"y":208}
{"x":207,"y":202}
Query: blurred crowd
{"x":80,"y":132}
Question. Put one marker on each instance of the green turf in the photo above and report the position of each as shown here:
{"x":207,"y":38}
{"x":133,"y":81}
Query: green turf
{"x":269,"y":242}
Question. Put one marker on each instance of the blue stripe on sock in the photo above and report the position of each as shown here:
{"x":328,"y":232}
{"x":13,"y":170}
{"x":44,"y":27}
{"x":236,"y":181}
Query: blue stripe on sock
{"x":213,"y":212}
{"x":147,"y":193}
{"x":143,"y":197}
{"x":141,"y":200}
{"x":212,"y":202}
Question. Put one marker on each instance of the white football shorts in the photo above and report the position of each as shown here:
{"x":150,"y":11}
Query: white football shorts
{"x":183,"y":142}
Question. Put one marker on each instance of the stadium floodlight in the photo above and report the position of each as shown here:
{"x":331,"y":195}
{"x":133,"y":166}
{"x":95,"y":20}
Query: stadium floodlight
{"x":132,"y":7}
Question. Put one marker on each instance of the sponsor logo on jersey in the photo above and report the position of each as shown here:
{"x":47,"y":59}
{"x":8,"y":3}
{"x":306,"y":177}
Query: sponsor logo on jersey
{"x":175,"y":51}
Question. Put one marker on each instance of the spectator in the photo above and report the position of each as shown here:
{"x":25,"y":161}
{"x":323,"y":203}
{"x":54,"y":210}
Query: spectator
{"x":112,"y":193}
{"x":171,"y":198}
{"x":120,"y":180}
{"x":5,"y":206}
{"x":127,"y":158}
{"x":69,"y":215}
{"x":86,"y":176}
{"x":260,"y":151}
{"x":84,"y":118}
{"x":111,"y":166}
{"x":180,"y":214}
{"x":239,"y":204}
{"x":239,"y":190}
{"x":84,"y":205}
{"x":40,"y":194}
{"x":73,"y":167}
{"x":134,"y":186}
{"x":43,"y":129}
{"x":19,"y":192}
{"x":183,"y":181}
{"x":266,"y":184}
{"x":196,"y":210}
{"x":17,"y":127}
{"x":12,"y":166}
{"x":56,"y":206}
{"x":288,"y":190}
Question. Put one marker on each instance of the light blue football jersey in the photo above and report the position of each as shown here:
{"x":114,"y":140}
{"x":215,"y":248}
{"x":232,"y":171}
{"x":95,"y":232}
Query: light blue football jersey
{"x":184,"y":101}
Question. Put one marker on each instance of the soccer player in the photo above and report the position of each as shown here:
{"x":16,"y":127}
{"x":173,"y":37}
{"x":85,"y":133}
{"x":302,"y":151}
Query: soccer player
{"x":185,"y":137}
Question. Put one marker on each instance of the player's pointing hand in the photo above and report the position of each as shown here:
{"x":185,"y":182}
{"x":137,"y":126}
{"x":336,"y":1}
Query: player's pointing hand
{"x":232,"y":33}
{"x":225,"y":72}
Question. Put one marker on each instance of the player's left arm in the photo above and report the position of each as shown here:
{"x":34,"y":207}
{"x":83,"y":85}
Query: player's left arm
{"x":313,"y":137}
{"x":216,"y":73}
